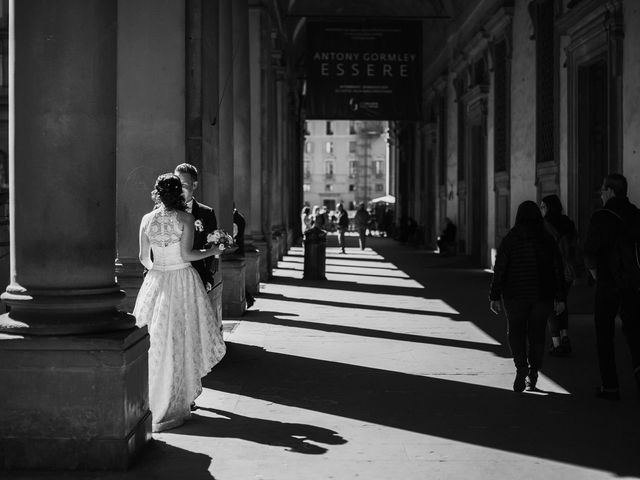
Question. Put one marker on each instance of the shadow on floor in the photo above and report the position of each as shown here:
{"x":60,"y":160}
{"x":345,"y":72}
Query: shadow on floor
{"x":563,"y":428}
{"x":294,"y":436}
{"x":275,"y":318}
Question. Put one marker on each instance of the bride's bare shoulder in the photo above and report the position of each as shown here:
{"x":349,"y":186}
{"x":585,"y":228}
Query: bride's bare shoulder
{"x":184,"y":217}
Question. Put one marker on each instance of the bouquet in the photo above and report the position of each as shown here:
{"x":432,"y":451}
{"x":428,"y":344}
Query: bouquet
{"x":220,"y":239}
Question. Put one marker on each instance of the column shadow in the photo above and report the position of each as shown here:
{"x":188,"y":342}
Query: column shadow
{"x":274,"y":318}
{"x":562,"y":428}
{"x":332,"y":303}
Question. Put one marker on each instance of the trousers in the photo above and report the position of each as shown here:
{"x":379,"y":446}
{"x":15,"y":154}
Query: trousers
{"x":526,"y":328}
{"x":609,"y":302}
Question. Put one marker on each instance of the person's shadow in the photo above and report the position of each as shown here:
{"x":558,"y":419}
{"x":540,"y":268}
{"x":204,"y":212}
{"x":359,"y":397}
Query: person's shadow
{"x":294,"y":436}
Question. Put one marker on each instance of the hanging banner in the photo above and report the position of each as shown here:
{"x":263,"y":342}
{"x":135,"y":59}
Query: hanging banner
{"x":364,"y":70}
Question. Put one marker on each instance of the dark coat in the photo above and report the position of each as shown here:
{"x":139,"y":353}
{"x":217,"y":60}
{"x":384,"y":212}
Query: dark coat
{"x":604,"y":228}
{"x":563,"y":230}
{"x":206,"y":215}
{"x":241,"y":224}
{"x":343,"y":220}
{"x":528,"y":266}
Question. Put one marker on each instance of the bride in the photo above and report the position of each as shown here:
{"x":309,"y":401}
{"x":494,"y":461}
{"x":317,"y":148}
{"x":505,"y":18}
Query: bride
{"x":186,"y":338}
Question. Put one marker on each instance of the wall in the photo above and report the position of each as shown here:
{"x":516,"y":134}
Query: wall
{"x":523,"y":119}
{"x":631,"y":99}
{"x":151,"y":107}
{"x":452,"y":152}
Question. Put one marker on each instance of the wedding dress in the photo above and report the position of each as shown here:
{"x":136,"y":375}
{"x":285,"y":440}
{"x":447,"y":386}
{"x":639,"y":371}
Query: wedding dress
{"x":184,"y":327}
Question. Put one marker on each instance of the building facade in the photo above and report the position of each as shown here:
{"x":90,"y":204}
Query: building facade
{"x":524,"y":99}
{"x":344,"y":161}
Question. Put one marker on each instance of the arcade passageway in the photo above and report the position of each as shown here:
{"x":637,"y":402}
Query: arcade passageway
{"x":392,"y":368}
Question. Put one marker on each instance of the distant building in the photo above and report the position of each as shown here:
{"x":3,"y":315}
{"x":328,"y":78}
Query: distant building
{"x":344,"y":161}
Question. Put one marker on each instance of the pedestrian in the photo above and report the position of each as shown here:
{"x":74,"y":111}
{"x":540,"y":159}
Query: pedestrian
{"x":239,"y":226}
{"x":563,"y":230}
{"x":615,"y":293}
{"x":528,"y":281}
{"x":205,"y":222}
{"x":361,"y":221}
{"x":343,"y":226}
{"x":447,"y":239}
{"x":306,"y":219}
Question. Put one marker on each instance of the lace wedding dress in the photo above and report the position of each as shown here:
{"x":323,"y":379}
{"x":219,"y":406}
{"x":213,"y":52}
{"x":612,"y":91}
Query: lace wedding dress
{"x":185,"y":328}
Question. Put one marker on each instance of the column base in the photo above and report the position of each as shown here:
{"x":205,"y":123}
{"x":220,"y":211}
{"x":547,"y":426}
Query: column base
{"x":274,"y":251}
{"x":252,"y":273}
{"x":263,"y":250}
{"x":129,"y":274}
{"x":77,"y":402}
{"x":234,"y":301}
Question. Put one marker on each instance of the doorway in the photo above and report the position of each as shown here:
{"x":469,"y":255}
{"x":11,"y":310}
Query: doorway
{"x":592,"y":138}
{"x":477,"y":198}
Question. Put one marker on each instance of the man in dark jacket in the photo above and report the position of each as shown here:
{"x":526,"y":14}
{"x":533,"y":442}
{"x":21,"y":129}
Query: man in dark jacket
{"x":611,"y":297}
{"x":204,"y":224}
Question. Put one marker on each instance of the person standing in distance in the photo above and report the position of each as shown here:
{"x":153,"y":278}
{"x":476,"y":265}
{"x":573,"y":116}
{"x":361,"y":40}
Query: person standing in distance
{"x":204,"y":224}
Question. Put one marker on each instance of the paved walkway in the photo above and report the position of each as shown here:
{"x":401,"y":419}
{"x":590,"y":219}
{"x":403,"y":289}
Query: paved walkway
{"x":393,"y":368}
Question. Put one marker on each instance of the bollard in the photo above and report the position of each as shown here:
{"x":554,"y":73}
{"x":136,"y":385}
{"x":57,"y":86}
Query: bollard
{"x":315,"y":248}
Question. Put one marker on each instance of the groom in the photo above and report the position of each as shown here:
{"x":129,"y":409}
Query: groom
{"x":205,"y":221}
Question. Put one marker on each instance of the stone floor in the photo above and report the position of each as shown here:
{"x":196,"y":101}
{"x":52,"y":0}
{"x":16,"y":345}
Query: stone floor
{"x":393,"y":368}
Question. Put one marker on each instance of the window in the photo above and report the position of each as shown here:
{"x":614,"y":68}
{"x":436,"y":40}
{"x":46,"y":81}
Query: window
{"x":306,"y":187}
{"x":308,"y":147}
{"x":306,"y":128}
{"x":379,"y":187}
{"x":329,"y":130}
{"x":352,"y":128}
{"x":352,"y":188}
{"x":328,"y":187}
{"x":352,"y":147}
{"x":307,"y":169}
{"x":329,"y":148}
{"x":353,"y":165}
{"x":378,"y":168}
{"x":328,"y":169}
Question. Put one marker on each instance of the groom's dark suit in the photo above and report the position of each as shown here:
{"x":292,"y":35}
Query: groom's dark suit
{"x":209,"y":223}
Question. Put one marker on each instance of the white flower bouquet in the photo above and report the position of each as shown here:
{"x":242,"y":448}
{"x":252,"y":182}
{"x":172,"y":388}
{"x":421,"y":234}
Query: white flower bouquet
{"x":220,"y":239}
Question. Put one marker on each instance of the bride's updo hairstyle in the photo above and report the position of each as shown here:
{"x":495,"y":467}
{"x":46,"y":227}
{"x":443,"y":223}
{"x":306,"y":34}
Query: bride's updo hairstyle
{"x":168,"y":191}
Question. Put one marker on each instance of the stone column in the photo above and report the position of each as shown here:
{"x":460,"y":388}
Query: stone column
{"x":258,"y":54}
{"x":243,"y":172}
{"x":78,"y":400}
{"x":232,"y":266}
{"x":151,"y":118}
{"x":280,"y":194}
{"x":225,"y":120}
{"x":241,"y":112}
{"x":202,"y":111}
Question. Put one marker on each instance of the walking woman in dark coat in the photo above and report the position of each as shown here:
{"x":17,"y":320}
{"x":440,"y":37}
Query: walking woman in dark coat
{"x":528,"y":279}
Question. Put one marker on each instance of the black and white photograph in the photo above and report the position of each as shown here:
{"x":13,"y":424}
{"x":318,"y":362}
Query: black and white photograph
{"x":319,"y":239}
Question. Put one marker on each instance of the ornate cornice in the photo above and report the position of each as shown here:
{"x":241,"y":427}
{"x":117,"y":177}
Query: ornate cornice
{"x":499,"y":22}
{"x":477,"y":45}
{"x":459,"y":63}
{"x":589,"y":15}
